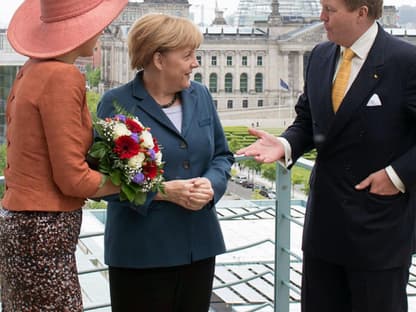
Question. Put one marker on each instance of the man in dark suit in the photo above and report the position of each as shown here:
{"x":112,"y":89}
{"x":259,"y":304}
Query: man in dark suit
{"x":360,"y":215}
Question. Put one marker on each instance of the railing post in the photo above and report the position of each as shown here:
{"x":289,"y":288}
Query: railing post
{"x":282,"y":239}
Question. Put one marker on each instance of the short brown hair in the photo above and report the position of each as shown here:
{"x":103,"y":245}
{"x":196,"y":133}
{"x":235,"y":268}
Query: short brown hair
{"x":375,"y":7}
{"x":160,"y":33}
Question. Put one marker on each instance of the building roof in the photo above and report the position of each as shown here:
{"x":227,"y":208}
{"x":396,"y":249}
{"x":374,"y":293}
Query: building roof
{"x":250,"y":11}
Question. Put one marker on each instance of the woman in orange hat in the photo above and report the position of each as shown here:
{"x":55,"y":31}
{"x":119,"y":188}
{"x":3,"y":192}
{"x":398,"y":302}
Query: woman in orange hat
{"x":49,"y":131}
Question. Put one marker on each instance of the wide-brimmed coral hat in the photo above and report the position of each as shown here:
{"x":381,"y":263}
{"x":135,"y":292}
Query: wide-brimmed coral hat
{"x":48,"y":28}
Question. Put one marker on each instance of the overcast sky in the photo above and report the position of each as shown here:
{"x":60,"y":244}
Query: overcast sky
{"x":229,"y":6}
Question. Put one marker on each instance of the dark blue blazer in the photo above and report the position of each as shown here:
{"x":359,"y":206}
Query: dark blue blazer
{"x":342,"y":225}
{"x":161,"y":233}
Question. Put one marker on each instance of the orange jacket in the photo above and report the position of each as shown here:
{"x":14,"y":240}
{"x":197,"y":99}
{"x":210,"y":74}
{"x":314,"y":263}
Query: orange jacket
{"x":49,"y":131}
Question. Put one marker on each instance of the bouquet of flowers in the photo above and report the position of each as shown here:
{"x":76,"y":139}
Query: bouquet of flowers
{"x":127,"y":152}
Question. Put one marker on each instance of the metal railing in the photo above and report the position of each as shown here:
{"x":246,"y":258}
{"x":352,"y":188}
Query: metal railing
{"x":282,"y":258}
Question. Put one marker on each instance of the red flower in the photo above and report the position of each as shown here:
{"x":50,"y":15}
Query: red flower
{"x":133,"y":126}
{"x":150,"y":170}
{"x":126,"y":147}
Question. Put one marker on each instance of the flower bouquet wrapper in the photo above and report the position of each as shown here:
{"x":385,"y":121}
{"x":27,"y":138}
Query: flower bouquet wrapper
{"x":125,"y":151}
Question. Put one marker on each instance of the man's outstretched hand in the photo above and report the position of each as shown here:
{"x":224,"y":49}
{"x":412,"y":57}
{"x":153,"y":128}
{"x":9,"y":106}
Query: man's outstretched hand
{"x":266,"y":149}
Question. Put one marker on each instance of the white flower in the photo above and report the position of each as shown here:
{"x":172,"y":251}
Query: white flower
{"x":158,"y":158}
{"x":136,"y":161}
{"x":147,"y":138}
{"x":120,"y":129}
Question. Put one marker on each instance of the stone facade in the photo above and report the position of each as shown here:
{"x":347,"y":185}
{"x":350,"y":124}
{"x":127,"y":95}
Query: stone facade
{"x":247,"y":69}
{"x":242,"y":66}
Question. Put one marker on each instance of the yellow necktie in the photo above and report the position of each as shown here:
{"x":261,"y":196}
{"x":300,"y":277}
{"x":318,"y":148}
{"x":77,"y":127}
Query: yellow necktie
{"x":341,"y":80}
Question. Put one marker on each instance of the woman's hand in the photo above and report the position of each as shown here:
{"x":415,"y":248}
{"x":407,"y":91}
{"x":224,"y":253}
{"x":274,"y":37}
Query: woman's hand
{"x":191,"y":194}
{"x":202,"y":193}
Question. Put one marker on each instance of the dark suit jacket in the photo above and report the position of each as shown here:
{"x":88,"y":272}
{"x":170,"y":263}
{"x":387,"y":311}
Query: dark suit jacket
{"x":160,"y":233}
{"x":342,"y":225}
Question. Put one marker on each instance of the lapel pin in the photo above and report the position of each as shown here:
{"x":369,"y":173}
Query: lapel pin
{"x":375,"y":76}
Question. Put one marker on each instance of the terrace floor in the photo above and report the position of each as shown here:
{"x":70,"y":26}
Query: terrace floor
{"x":250,"y":270}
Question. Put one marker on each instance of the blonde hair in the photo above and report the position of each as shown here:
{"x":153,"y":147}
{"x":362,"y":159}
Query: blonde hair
{"x":160,"y":33}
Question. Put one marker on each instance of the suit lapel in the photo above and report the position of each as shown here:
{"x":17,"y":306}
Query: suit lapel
{"x":362,"y":88}
{"x":319,"y":89}
{"x":148,"y":105}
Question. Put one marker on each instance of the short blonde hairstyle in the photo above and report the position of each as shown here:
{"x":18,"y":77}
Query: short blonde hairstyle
{"x":160,"y":33}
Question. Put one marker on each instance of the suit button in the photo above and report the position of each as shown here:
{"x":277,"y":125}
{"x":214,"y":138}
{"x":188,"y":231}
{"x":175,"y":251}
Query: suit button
{"x":183,"y":145}
{"x":186,"y":164}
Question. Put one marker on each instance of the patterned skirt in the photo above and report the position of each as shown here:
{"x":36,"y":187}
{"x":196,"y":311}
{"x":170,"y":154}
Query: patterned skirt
{"x":37,"y":261}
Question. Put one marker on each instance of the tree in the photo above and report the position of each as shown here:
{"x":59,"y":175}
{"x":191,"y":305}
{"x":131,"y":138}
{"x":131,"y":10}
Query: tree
{"x":300,"y":176}
{"x":234,"y":145}
{"x":93,"y":76}
{"x":253,"y":165}
{"x":92,"y":102}
{"x":268,"y":171}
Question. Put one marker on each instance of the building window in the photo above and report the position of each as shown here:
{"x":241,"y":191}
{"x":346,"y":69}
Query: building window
{"x":229,"y":61}
{"x":228,"y":83}
{"x":214,"y":60}
{"x":259,"y":60}
{"x":198,"y":77}
{"x":259,"y":103}
{"x":243,"y":83}
{"x":230,"y":104}
{"x":259,"y":83}
{"x":213,"y":83}
{"x":199,"y":59}
{"x":215,"y":103}
{"x":244,"y":61}
{"x":245,"y":103}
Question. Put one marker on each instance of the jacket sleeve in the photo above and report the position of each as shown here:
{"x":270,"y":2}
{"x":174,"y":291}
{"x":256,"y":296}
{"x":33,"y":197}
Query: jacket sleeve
{"x":300,"y":133}
{"x":66,"y":122}
{"x":404,"y":165}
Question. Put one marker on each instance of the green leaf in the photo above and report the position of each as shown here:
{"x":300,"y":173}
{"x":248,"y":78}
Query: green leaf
{"x":140,"y":198}
{"x":99,"y":150}
{"x":119,"y":109}
{"x":116,"y":177}
{"x":123,"y":196}
{"x":128,"y":191}
{"x":104,"y":166}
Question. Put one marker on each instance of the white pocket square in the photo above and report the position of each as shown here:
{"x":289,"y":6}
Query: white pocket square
{"x":374,"y":101}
